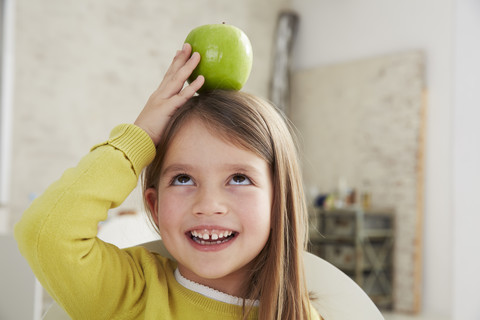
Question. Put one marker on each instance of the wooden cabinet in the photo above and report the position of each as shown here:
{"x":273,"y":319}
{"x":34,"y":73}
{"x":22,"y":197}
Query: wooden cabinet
{"x":360,"y":243}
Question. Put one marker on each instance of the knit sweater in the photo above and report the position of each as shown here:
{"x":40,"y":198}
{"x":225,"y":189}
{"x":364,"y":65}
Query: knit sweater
{"x":92,"y":279}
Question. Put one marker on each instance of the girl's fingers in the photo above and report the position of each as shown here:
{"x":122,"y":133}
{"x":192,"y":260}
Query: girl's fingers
{"x":188,"y":92}
{"x":182,"y":73}
{"x":179,"y":60}
{"x":173,"y":83}
{"x":186,"y":70}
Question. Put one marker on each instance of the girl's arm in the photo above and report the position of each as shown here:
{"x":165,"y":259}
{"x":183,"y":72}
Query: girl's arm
{"x":57,"y":234}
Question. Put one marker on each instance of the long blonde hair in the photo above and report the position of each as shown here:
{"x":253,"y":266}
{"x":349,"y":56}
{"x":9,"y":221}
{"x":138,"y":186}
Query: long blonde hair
{"x":277,"y":276}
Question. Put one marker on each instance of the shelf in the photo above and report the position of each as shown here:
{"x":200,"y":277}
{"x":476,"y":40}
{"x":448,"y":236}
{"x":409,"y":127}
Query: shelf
{"x":372,"y":234}
{"x":360,"y":244}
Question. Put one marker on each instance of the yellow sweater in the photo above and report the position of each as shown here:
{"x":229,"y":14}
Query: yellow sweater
{"x":92,"y":279}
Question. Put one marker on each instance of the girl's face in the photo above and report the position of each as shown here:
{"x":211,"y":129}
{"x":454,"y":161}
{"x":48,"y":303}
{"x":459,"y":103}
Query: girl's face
{"x":212,"y":207}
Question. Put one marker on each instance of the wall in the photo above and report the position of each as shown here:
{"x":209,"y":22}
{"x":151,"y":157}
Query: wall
{"x":339,"y":31}
{"x":6,"y":84}
{"x":83,"y":67}
{"x":466,"y":160}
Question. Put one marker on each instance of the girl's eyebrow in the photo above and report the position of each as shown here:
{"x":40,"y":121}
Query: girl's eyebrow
{"x":176,"y":168}
{"x":240,"y":168}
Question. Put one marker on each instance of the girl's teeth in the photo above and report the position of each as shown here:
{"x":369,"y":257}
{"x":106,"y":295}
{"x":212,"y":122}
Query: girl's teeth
{"x":203,"y":242}
{"x":212,"y":235}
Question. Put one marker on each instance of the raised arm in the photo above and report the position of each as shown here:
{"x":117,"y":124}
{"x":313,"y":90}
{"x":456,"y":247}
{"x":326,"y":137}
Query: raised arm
{"x":58,"y":233}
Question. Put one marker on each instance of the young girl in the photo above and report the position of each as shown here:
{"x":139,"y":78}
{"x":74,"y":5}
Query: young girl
{"x":224,"y":189}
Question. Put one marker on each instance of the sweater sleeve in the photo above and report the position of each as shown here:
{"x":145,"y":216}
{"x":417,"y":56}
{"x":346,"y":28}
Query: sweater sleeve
{"x":58,"y":233}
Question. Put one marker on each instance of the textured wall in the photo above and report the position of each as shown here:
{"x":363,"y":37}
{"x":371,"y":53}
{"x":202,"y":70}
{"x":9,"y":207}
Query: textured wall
{"x":361,"y":122}
{"x":83,"y":67}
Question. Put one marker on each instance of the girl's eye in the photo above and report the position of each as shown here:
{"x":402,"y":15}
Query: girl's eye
{"x":182,"y":180}
{"x":240,"y":179}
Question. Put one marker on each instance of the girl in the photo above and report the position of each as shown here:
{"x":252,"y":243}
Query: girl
{"x":224,"y":190}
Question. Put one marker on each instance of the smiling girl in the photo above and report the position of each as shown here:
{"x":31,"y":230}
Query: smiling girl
{"x":222,"y":185}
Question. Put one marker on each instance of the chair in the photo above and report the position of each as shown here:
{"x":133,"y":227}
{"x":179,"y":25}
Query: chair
{"x":337,"y":296}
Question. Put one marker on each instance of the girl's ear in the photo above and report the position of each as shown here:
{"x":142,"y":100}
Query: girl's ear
{"x":151,"y":197}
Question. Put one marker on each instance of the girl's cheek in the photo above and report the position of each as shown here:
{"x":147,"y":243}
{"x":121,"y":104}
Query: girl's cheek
{"x":255,"y":206}
{"x":170,"y":203}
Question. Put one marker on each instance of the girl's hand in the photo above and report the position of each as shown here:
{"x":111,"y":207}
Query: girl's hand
{"x":170,"y":95}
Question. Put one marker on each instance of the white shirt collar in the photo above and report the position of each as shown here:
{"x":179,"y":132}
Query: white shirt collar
{"x":211,"y":293}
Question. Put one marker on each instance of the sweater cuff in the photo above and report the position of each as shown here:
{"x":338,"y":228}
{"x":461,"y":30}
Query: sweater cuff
{"x":134,"y":142}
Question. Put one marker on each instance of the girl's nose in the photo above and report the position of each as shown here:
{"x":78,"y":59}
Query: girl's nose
{"x":209,"y":201}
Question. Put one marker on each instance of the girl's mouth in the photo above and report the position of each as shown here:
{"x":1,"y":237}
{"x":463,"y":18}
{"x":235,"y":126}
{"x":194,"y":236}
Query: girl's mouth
{"x":211,"y":237}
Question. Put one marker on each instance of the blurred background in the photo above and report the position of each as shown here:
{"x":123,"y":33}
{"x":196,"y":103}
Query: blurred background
{"x":383,"y":94}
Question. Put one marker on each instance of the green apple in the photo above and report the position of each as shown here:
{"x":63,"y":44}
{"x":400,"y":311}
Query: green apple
{"x":226,"y":56}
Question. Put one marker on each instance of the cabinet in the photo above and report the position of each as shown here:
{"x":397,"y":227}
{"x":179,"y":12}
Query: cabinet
{"x":361,"y":244}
